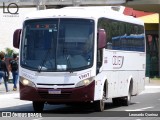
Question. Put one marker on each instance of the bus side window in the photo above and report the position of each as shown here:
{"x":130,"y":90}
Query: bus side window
{"x":109,"y":45}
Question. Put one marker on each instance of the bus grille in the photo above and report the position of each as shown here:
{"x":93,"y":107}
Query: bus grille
{"x":63,"y":95}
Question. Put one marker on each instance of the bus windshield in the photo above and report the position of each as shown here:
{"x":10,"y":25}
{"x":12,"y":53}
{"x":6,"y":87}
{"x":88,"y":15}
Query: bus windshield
{"x":57,"y":44}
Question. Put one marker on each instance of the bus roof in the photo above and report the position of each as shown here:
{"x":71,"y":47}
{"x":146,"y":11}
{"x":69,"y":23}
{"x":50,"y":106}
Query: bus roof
{"x":92,"y":12}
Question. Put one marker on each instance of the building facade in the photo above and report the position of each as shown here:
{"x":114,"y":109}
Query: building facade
{"x":9,"y":23}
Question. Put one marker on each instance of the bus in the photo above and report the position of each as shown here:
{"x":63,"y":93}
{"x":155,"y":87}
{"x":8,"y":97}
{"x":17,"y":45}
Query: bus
{"x":80,"y":55}
{"x":128,"y":43}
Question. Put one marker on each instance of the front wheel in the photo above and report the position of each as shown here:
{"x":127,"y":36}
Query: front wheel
{"x":99,"y":105}
{"x":38,"y":106}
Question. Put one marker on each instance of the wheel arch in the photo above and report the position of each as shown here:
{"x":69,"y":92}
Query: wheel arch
{"x":130,"y":84}
{"x":101,"y":83}
{"x":105,"y":86}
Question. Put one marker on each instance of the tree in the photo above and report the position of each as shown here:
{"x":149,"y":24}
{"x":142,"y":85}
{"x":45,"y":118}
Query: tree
{"x":9,"y":52}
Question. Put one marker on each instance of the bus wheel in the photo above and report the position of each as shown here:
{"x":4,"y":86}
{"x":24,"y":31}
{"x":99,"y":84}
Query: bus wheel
{"x":38,"y":106}
{"x":127,"y":99}
{"x":100,"y":104}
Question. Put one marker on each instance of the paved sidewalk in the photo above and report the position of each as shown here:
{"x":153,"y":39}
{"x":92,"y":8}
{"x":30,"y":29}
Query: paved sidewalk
{"x":152,"y":82}
{"x":10,"y":87}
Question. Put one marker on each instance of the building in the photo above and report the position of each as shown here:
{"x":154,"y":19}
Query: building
{"x":151,"y":21}
{"x":9,"y":23}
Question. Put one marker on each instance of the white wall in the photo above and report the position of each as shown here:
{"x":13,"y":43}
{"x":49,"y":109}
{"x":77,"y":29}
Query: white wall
{"x":8,"y":24}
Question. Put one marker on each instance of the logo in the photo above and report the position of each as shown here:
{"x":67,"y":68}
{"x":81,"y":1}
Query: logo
{"x":117,"y":62}
{"x":20,"y":115}
{"x":6,"y":114}
{"x":10,"y":10}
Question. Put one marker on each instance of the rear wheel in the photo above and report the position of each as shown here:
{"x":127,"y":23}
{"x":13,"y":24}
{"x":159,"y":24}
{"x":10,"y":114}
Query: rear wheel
{"x":38,"y":106}
{"x":127,"y":99}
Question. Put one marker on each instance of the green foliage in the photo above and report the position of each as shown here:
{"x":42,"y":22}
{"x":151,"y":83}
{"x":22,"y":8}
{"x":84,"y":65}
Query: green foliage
{"x":9,"y":52}
{"x":155,"y":78}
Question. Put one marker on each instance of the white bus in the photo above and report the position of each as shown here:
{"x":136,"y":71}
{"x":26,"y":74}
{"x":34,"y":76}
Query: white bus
{"x":80,"y":55}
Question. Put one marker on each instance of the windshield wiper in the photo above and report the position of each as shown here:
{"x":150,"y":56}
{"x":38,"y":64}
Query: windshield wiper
{"x":65,"y":51}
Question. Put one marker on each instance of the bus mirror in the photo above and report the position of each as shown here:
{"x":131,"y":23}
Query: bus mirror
{"x":101,"y":38}
{"x":16,"y":38}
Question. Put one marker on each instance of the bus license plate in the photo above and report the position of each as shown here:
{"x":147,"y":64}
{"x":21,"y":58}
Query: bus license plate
{"x":55,"y":91}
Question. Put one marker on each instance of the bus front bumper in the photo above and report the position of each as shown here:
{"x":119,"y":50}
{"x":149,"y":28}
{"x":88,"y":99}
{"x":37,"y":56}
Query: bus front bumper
{"x":80,"y":94}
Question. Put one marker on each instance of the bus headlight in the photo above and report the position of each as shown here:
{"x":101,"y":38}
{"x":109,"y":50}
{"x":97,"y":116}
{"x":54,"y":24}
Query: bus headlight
{"x":26,"y":82}
{"x":84,"y":82}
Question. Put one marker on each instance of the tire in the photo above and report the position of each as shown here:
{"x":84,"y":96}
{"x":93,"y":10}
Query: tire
{"x":127,"y":99}
{"x":99,"y":105}
{"x":38,"y":106}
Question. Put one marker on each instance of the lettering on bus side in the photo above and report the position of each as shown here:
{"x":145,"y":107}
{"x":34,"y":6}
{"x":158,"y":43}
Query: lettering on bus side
{"x":117,"y":62}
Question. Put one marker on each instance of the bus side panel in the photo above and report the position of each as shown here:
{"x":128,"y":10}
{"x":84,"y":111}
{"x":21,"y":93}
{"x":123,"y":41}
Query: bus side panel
{"x":99,"y":79}
{"x":112,"y":85}
{"x":141,"y":83}
{"x":120,"y":67}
